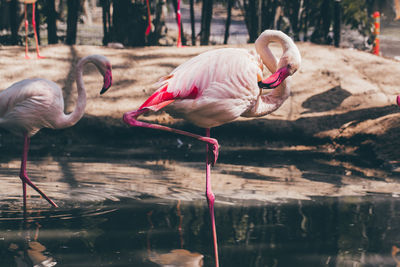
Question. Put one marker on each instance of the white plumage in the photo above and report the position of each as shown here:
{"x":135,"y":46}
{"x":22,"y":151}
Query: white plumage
{"x":32,"y":104}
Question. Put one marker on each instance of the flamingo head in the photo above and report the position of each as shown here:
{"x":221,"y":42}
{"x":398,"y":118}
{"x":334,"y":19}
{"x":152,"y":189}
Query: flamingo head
{"x":107,"y":80}
{"x":287,"y":66}
{"x":104,"y":67}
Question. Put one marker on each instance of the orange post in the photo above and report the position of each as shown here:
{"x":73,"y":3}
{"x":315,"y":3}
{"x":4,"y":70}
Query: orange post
{"x":377,"y":27}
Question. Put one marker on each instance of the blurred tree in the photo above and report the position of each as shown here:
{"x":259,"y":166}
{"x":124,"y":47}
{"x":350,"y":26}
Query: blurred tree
{"x":228,"y":20}
{"x":158,"y":22}
{"x":251,"y":18}
{"x":336,"y":23}
{"x":292,"y":9}
{"x":38,"y":19}
{"x":206,"y":16}
{"x":72,"y":21}
{"x":105,"y":4}
{"x":51,"y":17}
{"x":13,"y":8}
{"x":357,"y":14}
{"x":129,"y":23}
{"x":192,"y":23}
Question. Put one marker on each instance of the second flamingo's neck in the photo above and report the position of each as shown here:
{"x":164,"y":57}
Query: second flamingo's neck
{"x":79,"y":110}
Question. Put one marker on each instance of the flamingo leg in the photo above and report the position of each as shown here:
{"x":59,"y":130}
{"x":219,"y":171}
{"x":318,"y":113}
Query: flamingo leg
{"x":24,"y":176}
{"x":210,"y":200}
{"x":26,"y":33}
{"x":130,"y":118}
{"x":178,"y":18}
{"x":35,"y":32}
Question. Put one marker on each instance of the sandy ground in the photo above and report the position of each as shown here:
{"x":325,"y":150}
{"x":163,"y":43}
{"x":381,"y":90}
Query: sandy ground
{"x":342,"y":103}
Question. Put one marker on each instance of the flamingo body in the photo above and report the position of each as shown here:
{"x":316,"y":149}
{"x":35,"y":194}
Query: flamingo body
{"x":217,"y":87}
{"x":32,"y":104}
{"x":29,"y":105}
{"x":212,"y":88}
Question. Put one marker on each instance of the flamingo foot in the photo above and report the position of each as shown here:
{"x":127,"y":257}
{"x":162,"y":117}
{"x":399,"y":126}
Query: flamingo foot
{"x":213,"y":150}
{"x":40,"y":57}
{"x":26,"y":180}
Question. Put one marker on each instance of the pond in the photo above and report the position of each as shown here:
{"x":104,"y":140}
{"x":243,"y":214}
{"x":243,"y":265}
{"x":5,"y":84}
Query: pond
{"x":273,"y":208}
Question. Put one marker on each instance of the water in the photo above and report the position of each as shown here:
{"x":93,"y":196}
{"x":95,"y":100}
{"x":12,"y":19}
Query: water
{"x":352,"y":231}
{"x":145,"y":206}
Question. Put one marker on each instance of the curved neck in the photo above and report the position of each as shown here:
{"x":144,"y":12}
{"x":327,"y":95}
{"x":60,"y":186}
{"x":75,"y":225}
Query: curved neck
{"x":270,"y":102}
{"x":265,"y":53}
{"x":266,"y":104}
{"x":79,"y":110}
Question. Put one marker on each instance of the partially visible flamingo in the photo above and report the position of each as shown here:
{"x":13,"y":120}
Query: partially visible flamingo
{"x":178,"y":21}
{"x":219,"y":86}
{"x":398,"y":100}
{"x":26,"y":3}
{"x":148,"y":29}
{"x":32,"y":104}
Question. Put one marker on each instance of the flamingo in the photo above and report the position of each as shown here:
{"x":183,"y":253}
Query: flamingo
{"x":26,"y":3}
{"x":219,"y":86}
{"x":398,"y":100}
{"x":31,"y":104}
{"x":178,"y":21}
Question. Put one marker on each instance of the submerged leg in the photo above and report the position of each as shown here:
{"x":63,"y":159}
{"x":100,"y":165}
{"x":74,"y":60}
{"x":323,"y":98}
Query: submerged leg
{"x":210,"y":200}
{"x":34,"y":30}
{"x":24,"y":176}
{"x":26,"y":32}
{"x":130,"y":118}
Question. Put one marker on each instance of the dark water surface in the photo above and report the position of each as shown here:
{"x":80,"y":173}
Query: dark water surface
{"x":141,"y":207}
{"x":348,"y":231}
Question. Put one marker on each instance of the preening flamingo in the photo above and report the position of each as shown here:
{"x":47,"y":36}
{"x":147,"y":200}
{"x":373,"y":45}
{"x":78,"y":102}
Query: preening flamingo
{"x":219,"y":86}
{"x":33,"y":2}
{"x":32,"y":104}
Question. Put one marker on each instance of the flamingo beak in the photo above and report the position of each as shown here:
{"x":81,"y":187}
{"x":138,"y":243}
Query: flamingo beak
{"x":107,"y":81}
{"x":275,"y":79}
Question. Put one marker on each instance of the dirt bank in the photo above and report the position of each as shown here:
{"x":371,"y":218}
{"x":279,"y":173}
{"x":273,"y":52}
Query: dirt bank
{"x":342,"y":101}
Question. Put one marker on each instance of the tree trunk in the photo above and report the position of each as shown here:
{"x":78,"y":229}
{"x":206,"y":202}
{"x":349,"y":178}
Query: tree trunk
{"x":292,"y":9}
{"x":51,"y":17}
{"x":192,"y":22}
{"x":228,"y":21}
{"x":326,"y":20}
{"x":252,"y":20}
{"x":305,"y":23}
{"x":159,"y":23}
{"x":336,"y":23}
{"x":72,"y":21}
{"x":206,"y":16}
{"x":106,"y":21}
{"x":37,"y":23}
{"x":129,"y":22}
{"x":13,"y":8}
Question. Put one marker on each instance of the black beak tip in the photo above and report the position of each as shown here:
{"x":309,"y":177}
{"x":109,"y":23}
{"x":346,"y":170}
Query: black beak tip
{"x":103,"y":90}
{"x":265,"y":85}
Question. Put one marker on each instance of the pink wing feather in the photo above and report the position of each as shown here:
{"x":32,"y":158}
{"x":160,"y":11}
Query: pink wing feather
{"x":163,"y":97}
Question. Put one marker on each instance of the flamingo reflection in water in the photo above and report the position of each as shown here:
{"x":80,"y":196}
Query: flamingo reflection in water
{"x":176,"y":257}
{"x":30,"y":252}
